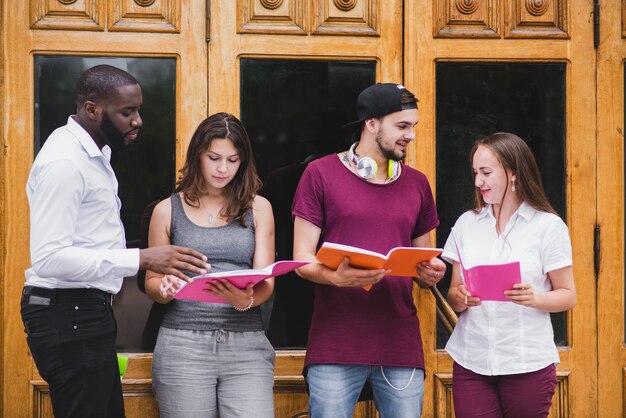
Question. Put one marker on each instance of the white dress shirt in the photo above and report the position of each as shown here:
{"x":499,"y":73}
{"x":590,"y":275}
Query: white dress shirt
{"x":499,"y":338}
{"x":76,"y":234}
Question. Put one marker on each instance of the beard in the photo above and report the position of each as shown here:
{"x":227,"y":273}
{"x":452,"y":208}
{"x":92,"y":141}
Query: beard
{"x":115,"y":137}
{"x":388,"y":152}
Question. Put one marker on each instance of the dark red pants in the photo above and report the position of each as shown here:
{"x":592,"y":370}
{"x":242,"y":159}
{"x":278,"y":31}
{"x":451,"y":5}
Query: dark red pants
{"x":524,"y":395}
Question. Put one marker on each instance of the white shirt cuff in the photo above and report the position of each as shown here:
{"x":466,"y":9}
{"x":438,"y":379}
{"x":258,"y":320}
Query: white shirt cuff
{"x":126,"y":261}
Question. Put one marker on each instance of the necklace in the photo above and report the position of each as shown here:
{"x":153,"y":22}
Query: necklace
{"x":212,"y":217}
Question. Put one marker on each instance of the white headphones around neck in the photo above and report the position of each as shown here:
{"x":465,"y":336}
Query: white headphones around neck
{"x":367,"y":168}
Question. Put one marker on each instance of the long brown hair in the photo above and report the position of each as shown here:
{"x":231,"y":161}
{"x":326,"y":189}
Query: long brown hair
{"x":517,"y":158}
{"x":241,"y":191}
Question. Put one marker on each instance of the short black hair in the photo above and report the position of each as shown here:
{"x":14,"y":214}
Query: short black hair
{"x":100,"y":82}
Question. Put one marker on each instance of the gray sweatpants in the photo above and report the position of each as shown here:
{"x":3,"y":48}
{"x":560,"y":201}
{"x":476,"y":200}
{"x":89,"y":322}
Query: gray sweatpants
{"x":213,"y":373}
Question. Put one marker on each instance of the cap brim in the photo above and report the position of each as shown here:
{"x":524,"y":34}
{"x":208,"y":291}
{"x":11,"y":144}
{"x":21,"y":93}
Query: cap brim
{"x":352,"y":125}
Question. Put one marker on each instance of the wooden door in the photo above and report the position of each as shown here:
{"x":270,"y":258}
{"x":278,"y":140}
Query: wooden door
{"x":209,"y":41}
{"x":216,"y":44}
{"x":288,"y":40}
{"x":97,"y":29}
{"x":477,"y":40}
{"x":610,"y":184}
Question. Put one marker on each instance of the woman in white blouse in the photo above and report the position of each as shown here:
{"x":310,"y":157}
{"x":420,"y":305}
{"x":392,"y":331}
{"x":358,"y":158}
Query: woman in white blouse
{"x":503,"y":351}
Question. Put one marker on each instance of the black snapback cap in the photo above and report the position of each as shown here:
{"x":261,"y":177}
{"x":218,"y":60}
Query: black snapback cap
{"x":379,"y":100}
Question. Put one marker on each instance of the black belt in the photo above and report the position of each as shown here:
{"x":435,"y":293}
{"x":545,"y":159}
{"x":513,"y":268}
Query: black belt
{"x":44,"y":296}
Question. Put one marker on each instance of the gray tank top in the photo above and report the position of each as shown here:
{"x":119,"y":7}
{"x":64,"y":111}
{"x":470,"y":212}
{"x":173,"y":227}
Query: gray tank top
{"x":227,"y":247}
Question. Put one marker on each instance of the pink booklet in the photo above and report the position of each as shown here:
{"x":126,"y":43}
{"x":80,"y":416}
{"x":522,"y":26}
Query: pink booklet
{"x":489,"y":281}
{"x":195,"y":290}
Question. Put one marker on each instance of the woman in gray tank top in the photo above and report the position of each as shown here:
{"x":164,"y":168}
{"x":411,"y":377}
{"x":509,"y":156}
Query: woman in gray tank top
{"x":213,"y":359}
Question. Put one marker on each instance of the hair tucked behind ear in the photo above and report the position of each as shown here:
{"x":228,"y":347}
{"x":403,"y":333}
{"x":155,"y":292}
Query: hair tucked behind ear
{"x":241,"y":191}
{"x":517,"y":158}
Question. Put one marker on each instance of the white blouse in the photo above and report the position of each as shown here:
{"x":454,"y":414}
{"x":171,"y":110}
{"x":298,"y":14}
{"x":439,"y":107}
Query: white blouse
{"x":498,"y":338}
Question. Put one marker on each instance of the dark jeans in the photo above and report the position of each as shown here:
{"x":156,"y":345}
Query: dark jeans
{"x":71,"y":335}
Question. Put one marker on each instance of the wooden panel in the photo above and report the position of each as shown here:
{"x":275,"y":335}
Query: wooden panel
{"x":272,"y":16}
{"x":139,"y":400}
{"x":443,"y":405}
{"x":145,"y":15}
{"x":624,"y":392}
{"x":623,"y":14}
{"x":42,"y":407}
{"x":421,"y":53}
{"x":346,"y":17}
{"x":67,"y":14}
{"x":611,"y":399}
{"x":290,"y":397}
{"x":466,"y":18}
{"x":17,"y":89}
{"x":537,"y":19}
{"x":561,"y":400}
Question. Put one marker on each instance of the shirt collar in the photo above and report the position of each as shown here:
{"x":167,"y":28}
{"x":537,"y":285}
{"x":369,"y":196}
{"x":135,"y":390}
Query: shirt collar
{"x":525,"y":211}
{"x":86,"y":141}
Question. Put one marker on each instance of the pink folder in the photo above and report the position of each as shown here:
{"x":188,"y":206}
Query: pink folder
{"x":489,"y":281}
{"x":195,"y":290}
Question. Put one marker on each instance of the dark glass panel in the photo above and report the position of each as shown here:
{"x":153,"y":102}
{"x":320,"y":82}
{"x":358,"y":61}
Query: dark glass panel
{"x":293,"y":111}
{"x":478,"y":99}
{"x":146,"y":174}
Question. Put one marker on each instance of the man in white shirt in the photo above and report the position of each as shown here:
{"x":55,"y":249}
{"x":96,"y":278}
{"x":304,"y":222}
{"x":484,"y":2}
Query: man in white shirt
{"x":78,"y":250}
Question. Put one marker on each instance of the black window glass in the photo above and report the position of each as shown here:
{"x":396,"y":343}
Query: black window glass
{"x":146,"y":174}
{"x":293,"y":110}
{"x":478,"y":99}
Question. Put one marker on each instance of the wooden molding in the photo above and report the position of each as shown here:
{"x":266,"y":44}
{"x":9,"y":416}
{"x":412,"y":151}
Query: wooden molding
{"x":272,"y":16}
{"x":466,"y":18}
{"x":623,"y":12}
{"x":347,"y":17}
{"x":145,"y":16}
{"x":537,"y":19}
{"x":84,"y":15}
{"x":442,"y":402}
{"x":561,"y":400}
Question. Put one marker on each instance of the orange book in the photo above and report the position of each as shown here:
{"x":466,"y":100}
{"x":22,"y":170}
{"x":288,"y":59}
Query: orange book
{"x":400,"y":260}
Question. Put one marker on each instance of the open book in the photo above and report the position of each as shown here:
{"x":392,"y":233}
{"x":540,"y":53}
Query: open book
{"x":489,"y":281}
{"x":196,"y":289}
{"x":400,"y":260}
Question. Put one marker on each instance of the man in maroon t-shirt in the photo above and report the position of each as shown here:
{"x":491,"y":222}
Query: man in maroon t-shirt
{"x":360,"y":336}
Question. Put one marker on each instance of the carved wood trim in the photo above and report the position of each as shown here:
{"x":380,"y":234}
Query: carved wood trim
{"x":623,"y":10}
{"x":561,"y":401}
{"x":145,"y":3}
{"x":86,"y":15}
{"x":466,"y":18}
{"x":346,"y":17}
{"x":624,"y":391}
{"x":442,"y":402}
{"x":537,"y":19}
{"x":271,"y":4}
{"x":272,"y":16}
{"x":145,"y":16}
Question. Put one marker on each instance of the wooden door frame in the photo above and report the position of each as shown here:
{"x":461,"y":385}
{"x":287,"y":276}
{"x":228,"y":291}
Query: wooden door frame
{"x":610,"y":178}
{"x":423,"y":49}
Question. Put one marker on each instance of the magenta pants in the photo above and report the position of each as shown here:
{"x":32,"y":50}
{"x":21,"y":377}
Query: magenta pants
{"x":524,"y":395}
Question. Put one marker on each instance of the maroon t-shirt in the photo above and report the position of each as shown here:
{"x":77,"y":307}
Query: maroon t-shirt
{"x":351,"y":325}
